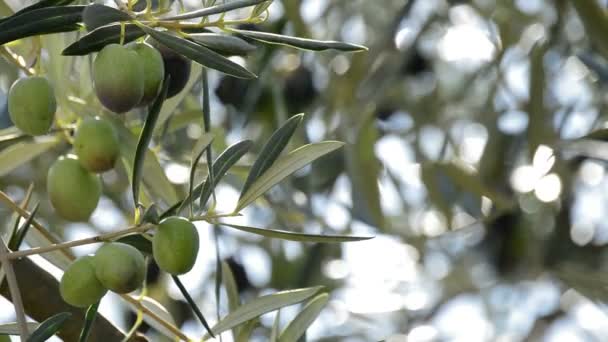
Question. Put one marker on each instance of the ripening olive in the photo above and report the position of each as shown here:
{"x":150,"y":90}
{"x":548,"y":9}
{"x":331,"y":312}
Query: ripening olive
{"x":79,"y":286}
{"x":119,"y":267}
{"x":118,"y":76}
{"x":175,"y":245}
{"x":177,"y":66}
{"x":32,"y":105}
{"x":74,"y":192}
{"x":154,"y":71}
{"x":96,"y":145}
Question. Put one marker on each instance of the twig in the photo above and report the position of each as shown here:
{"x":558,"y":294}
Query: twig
{"x":81,"y":242}
{"x":14,"y":289}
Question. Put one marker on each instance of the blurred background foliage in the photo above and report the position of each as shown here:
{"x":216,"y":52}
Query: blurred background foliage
{"x":475,"y":153}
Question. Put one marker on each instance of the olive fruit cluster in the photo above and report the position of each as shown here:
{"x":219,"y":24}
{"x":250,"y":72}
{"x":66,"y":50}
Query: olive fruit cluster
{"x":116,"y":266}
{"x":129,"y":77}
{"x":73,"y":188}
{"x":32,"y":105}
{"x":175,"y":245}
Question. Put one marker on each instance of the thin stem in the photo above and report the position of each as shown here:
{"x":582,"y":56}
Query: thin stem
{"x":13,"y":287}
{"x":17,"y":60}
{"x":210,"y":217}
{"x":81,"y":242}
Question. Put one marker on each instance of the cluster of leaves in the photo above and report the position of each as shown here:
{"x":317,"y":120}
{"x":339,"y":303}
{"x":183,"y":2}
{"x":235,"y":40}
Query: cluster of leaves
{"x":195,"y":41}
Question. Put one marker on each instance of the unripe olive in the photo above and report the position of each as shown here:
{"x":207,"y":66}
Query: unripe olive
{"x":96,"y":145}
{"x":154,"y":71}
{"x":74,"y":192}
{"x":32,"y":105}
{"x":177,"y":66}
{"x":175,"y":245}
{"x":79,"y":285}
{"x":120,"y":267}
{"x":118,"y":76}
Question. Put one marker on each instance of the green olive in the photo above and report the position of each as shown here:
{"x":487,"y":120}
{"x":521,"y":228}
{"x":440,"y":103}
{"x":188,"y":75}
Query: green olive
{"x":79,"y":286}
{"x":120,"y":267}
{"x":96,"y":145}
{"x":32,"y":105}
{"x":154,"y":71}
{"x":175,"y":245}
{"x":74,"y":192}
{"x":118,"y":76}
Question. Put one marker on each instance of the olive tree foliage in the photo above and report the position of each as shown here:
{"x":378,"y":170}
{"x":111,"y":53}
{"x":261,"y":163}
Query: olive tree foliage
{"x":116,"y":118}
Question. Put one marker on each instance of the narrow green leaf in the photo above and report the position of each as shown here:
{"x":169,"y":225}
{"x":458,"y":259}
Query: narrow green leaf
{"x":595,"y":21}
{"x":197,"y":152}
{"x":229,"y":6}
{"x":221,"y":165}
{"x":40,"y":21}
{"x":13,"y":328}
{"x":151,"y":214}
{"x":22,"y":231}
{"x":274,"y":333}
{"x":272,"y":149}
{"x":158,"y":310}
{"x":244,"y":333}
{"x":16,"y":155}
{"x":49,"y":327}
{"x":193,"y":306}
{"x":291,"y":236}
{"x":259,"y":9}
{"x":262,"y":305}
{"x":199,"y":54}
{"x":89,"y":319}
{"x":223,"y":43}
{"x":95,"y":40}
{"x":232,"y":291}
{"x":45,"y":3}
{"x":145,"y":137}
{"x":297,"y":327}
{"x":285,"y":166}
{"x":138,"y":241}
{"x":300,"y":43}
{"x":97,"y":15}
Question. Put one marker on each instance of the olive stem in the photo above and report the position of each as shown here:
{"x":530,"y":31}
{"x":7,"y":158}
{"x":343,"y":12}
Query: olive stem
{"x":81,"y":242}
{"x":13,"y":287}
{"x":16,"y":59}
{"x":210,"y":217}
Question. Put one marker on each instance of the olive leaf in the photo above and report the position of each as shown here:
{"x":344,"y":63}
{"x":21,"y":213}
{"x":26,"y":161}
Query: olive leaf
{"x":301,"y":237}
{"x":223,"y":43}
{"x":297,"y":327}
{"x":40,"y":4}
{"x":40,"y":21}
{"x":198,"y":53}
{"x":232,"y":5}
{"x":20,"y":233}
{"x":197,"y":152}
{"x":49,"y":327}
{"x":95,"y":40}
{"x":89,"y":319}
{"x":259,"y":9}
{"x":97,"y":15}
{"x":193,"y":306}
{"x":300,"y":43}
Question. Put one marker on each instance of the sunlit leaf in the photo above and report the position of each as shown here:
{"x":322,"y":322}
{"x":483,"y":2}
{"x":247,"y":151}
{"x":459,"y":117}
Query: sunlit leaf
{"x":49,"y":327}
{"x":232,"y":291}
{"x":229,"y":6}
{"x":291,"y":236}
{"x":145,"y":137}
{"x":271,"y":150}
{"x":199,"y":54}
{"x":259,"y":9}
{"x":300,"y":43}
{"x":297,"y":327}
{"x":223,"y":43}
{"x":285,"y":166}
{"x":16,"y":155}
{"x":13,"y":328}
{"x":262,"y":305}
{"x":96,"y":40}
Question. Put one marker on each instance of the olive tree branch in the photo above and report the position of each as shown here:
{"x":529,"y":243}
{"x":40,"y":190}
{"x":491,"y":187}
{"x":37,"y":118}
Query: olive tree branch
{"x":14,"y":291}
{"x":81,"y":242}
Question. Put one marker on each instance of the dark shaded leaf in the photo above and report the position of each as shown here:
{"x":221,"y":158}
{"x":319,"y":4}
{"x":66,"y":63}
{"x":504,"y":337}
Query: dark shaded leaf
{"x":221,"y":165}
{"x":197,"y":152}
{"x":97,"y":15}
{"x":145,"y":137}
{"x":151,"y":215}
{"x":199,"y":54}
{"x":19,"y":236}
{"x":40,"y":21}
{"x":49,"y":327}
{"x":192,"y":304}
{"x":272,"y":149}
{"x":40,"y":4}
{"x":232,"y":5}
{"x":223,"y":43}
{"x":301,"y":237}
{"x":95,"y":40}
{"x":89,"y":319}
{"x":300,"y":43}
{"x":138,"y":241}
